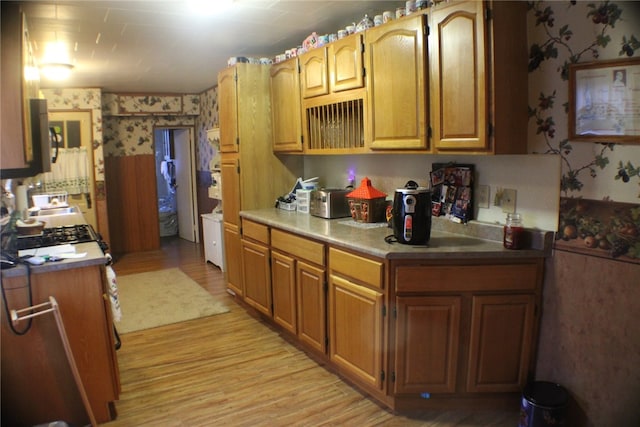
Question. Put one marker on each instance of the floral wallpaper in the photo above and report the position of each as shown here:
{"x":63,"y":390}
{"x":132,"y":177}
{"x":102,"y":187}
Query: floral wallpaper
{"x":145,"y":104}
{"x":208,"y":119}
{"x":133,"y":135}
{"x":82,"y":99}
{"x":562,"y":33}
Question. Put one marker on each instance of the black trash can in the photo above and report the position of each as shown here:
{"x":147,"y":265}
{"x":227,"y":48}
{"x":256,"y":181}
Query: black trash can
{"x":543,"y":404}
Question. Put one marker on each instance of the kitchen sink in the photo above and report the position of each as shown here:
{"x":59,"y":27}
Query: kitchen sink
{"x":57,"y":211}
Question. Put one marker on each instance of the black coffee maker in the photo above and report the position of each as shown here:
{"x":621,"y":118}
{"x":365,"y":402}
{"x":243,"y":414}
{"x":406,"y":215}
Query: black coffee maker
{"x":412,"y":214}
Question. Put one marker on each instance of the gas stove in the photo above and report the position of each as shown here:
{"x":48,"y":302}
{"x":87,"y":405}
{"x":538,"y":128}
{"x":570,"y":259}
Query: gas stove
{"x":71,"y":234}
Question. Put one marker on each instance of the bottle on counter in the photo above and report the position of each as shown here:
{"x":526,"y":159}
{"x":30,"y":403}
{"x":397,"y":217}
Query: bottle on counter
{"x":513,"y":232}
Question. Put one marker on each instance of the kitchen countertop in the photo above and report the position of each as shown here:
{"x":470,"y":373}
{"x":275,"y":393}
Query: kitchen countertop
{"x":471,"y":240}
{"x":94,"y":256}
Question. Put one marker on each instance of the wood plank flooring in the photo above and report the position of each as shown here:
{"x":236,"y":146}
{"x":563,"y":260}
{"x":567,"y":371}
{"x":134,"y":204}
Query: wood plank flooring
{"x":234,"y":370}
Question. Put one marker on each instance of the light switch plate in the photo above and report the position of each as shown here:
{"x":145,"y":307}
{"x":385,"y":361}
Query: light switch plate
{"x":509,"y":200}
{"x":483,"y":196}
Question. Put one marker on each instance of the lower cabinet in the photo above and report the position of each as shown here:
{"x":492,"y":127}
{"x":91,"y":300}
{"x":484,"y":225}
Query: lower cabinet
{"x":37,"y":384}
{"x":465,"y":330}
{"x":501,"y":342}
{"x":233,"y":258}
{"x":427,"y":344}
{"x":256,"y":272}
{"x":412,"y":333}
{"x":298,"y":283}
{"x":356,"y":308}
{"x":283,"y":286}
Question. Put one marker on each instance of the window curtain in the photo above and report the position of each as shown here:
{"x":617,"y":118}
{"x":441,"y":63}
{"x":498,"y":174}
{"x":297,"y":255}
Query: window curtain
{"x":69,"y":173}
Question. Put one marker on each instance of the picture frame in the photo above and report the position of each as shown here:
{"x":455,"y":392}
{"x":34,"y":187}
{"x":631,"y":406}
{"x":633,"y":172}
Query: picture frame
{"x":604,"y":101}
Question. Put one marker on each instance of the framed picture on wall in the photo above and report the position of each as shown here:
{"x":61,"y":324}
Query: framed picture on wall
{"x":604,"y":101}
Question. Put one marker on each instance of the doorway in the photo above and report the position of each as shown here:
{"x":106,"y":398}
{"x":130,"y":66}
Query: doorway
{"x":76,"y":131}
{"x":175,"y":177}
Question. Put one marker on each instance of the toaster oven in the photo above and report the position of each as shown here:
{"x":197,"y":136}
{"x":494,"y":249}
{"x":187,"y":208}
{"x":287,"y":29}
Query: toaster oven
{"x":329,"y":203}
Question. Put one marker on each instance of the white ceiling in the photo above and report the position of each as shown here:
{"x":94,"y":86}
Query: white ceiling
{"x":161,"y":47}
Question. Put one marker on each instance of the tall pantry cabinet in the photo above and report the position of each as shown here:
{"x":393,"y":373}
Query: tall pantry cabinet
{"x":253,"y":175}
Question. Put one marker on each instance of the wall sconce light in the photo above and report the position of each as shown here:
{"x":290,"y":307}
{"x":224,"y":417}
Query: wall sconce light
{"x":56,"y":71}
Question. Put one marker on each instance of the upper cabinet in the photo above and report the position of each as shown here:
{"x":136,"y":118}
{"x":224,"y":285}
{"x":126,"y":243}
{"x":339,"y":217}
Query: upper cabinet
{"x":285,"y":106}
{"x":478,"y":74}
{"x":228,"y":101}
{"x":395,"y":60}
{"x":313,"y":73}
{"x":21,"y":154}
{"x":451,"y":79}
{"x":346,"y":68}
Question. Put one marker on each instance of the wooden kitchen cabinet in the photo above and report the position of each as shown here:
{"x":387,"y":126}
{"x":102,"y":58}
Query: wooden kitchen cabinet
{"x":228,"y":110}
{"x":283,"y":286}
{"x":483,"y":62}
{"x":285,"y":106}
{"x":397,"y":87}
{"x":313,"y":73}
{"x":346,"y":63}
{"x":356,"y":305}
{"x":298,"y":282}
{"x":502,"y":329}
{"x":427,"y":344}
{"x":256,"y":270}
{"x":37,"y":383}
{"x":465,"y":329}
{"x":253,"y":175}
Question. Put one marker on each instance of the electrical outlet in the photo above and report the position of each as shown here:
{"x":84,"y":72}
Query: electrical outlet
{"x":508,"y":200}
{"x":483,"y":196}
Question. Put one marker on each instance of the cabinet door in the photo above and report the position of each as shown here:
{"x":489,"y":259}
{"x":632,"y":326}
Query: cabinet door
{"x":233,"y":259}
{"x":285,"y":106}
{"x":427,"y":336}
{"x":230,"y":175}
{"x":355,"y":330}
{"x":346,"y":68}
{"x":310,"y":283}
{"x":313,"y":73}
{"x":395,"y":57}
{"x":256,"y":276}
{"x":283,"y":286}
{"x":500,"y":343}
{"x":228,"y":110}
{"x":459,"y":72}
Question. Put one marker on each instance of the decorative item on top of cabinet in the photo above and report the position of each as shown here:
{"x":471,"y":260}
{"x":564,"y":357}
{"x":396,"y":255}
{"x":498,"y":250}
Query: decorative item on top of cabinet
{"x":285,"y":106}
{"x":397,"y":108}
{"x":490,"y":59}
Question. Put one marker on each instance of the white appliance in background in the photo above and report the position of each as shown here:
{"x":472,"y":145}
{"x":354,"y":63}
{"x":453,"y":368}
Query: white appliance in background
{"x":212,"y":235}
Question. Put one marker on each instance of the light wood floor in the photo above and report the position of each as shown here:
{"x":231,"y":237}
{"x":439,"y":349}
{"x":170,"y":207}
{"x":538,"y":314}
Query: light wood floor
{"x":234,"y":370}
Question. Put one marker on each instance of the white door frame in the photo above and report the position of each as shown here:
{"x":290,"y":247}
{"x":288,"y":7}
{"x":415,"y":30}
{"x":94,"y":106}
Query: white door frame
{"x":193,"y":195}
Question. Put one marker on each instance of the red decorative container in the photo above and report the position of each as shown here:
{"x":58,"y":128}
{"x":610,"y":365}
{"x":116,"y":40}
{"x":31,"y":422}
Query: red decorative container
{"x":366,"y":203}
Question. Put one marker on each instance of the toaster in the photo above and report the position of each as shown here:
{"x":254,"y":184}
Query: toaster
{"x":329,"y":203}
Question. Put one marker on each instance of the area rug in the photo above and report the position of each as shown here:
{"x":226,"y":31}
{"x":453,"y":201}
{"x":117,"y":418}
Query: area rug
{"x":158,"y":298}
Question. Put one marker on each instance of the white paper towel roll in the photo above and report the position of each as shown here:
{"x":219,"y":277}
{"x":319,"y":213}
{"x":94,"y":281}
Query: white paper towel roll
{"x":22,"y":202}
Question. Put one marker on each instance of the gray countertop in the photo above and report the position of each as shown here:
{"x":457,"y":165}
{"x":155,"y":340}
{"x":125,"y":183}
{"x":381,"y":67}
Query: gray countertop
{"x":448,"y":239}
{"x":94,"y":256}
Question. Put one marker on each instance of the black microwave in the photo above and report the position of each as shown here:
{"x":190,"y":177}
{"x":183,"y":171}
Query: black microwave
{"x":42,"y":138}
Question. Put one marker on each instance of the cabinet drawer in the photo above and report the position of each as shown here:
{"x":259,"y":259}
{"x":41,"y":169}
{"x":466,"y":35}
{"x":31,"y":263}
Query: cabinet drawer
{"x":363,"y":269}
{"x":299,"y":246}
{"x":462,"y":278}
{"x":255,"y":231}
